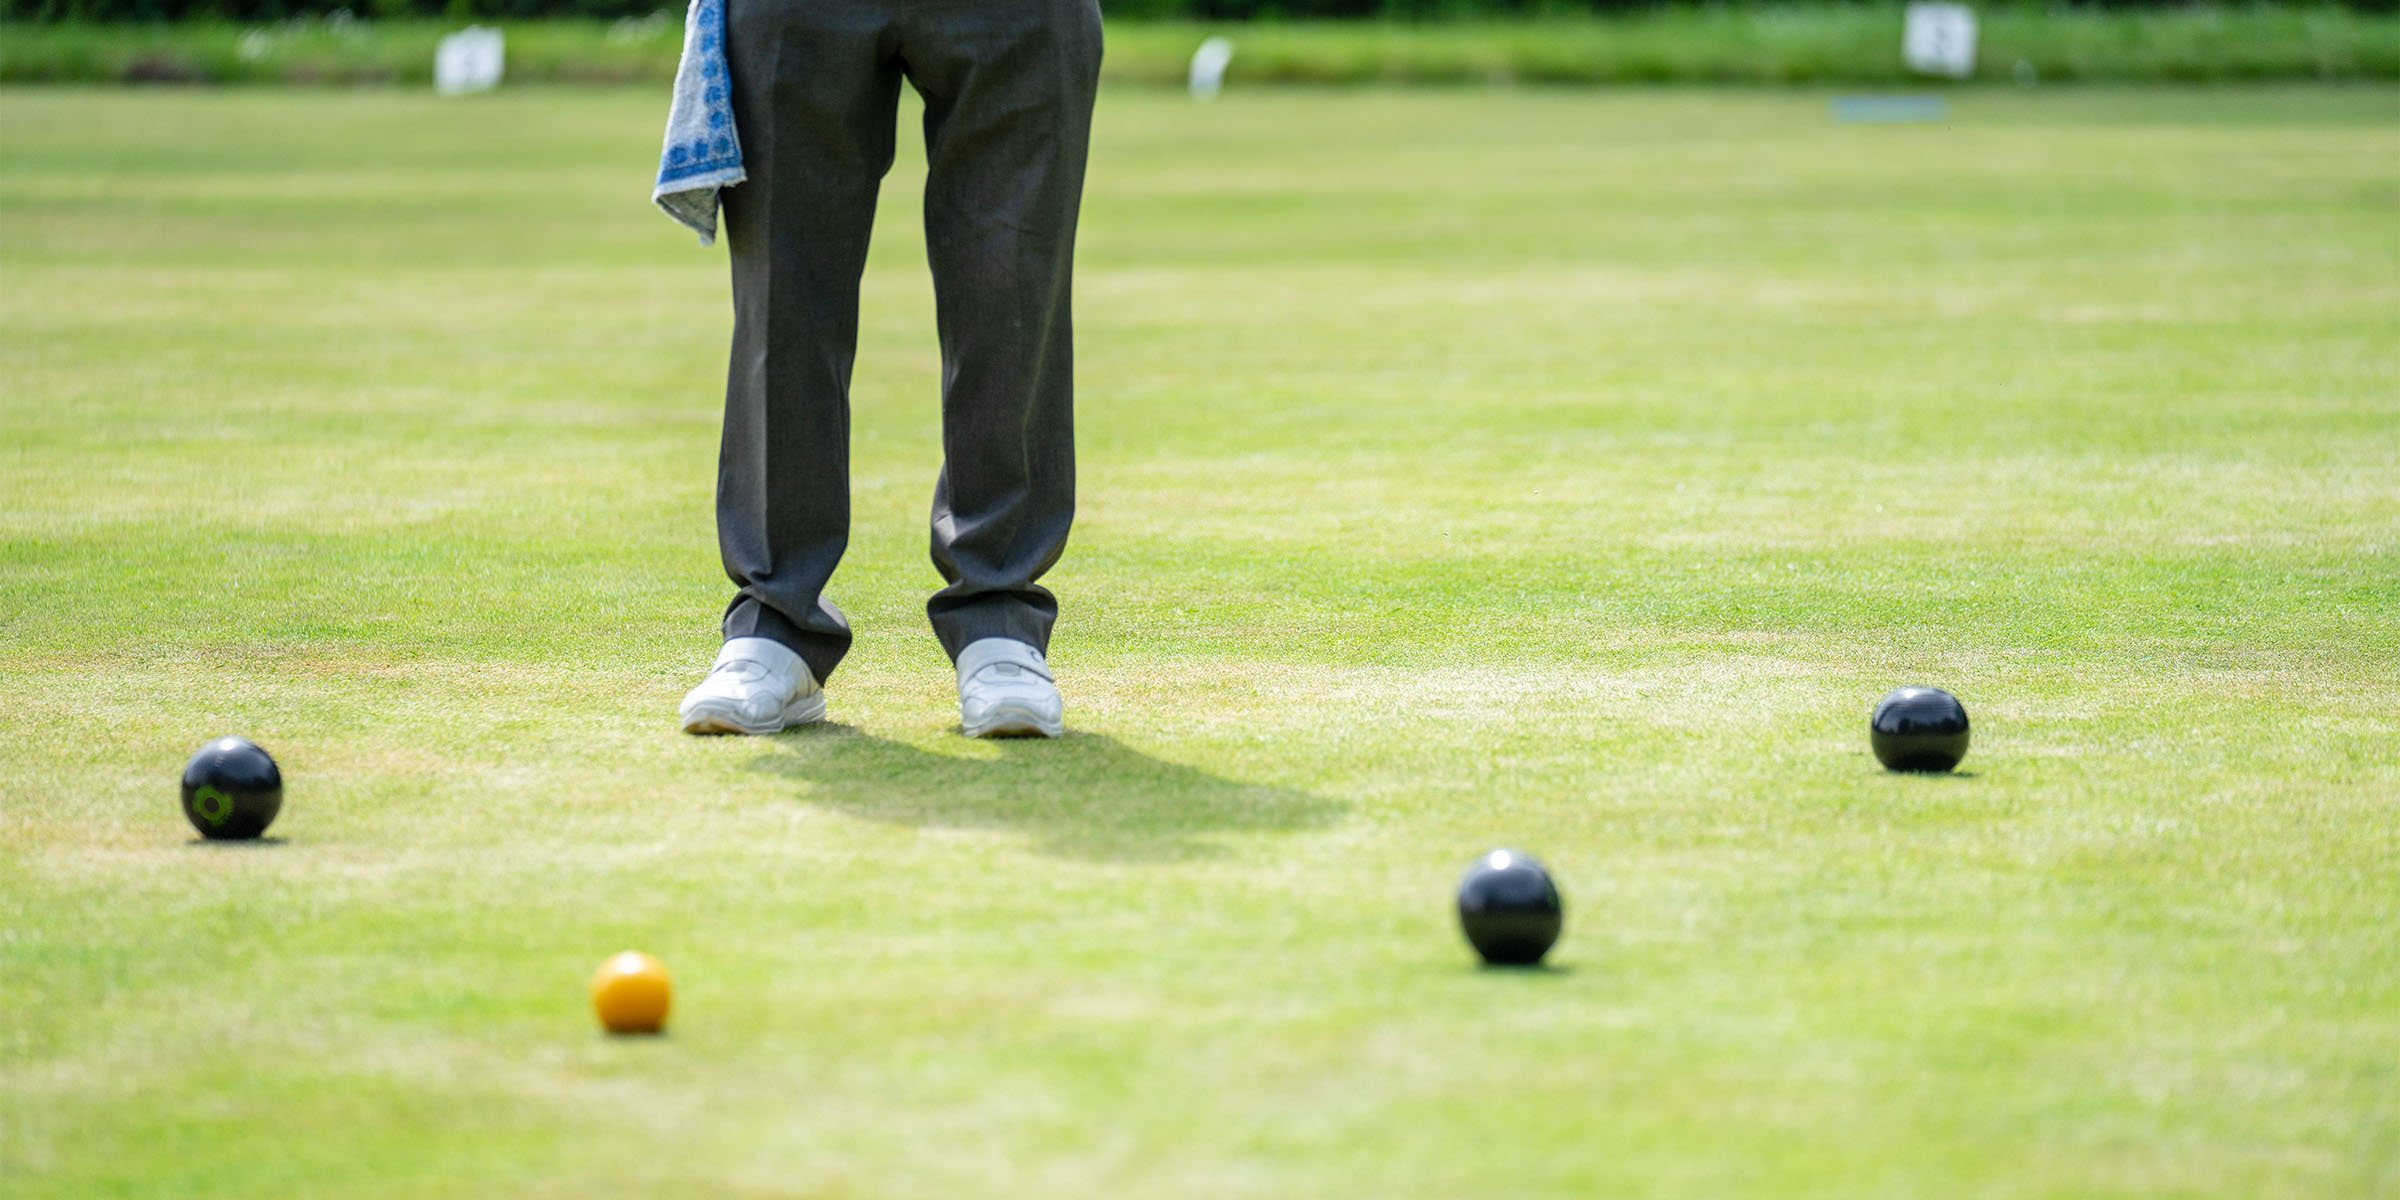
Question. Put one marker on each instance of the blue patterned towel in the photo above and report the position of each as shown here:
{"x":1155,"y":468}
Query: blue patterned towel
{"x":703,"y":153}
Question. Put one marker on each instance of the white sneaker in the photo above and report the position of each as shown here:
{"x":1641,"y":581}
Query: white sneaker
{"x":1004,"y":690}
{"x":757,"y":686}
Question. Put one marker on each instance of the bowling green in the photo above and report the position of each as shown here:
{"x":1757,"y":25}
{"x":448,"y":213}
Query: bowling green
{"x":1562,"y":470}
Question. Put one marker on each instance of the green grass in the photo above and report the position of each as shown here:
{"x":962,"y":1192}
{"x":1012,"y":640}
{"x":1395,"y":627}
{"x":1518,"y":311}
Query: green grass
{"x":1770,"y":44}
{"x":1562,"y":470}
{"x":1855,"y":44}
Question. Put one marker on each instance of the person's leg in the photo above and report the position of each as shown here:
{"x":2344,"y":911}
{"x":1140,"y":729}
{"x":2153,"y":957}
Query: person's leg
{"x":815,"y":91}
{"x":1008,"y":109}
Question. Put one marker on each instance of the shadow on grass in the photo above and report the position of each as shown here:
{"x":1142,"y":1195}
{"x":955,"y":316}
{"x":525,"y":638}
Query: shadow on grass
{"x":235,"y":843}
{"x":1542,"y":970}
{"x":1081,"y":796}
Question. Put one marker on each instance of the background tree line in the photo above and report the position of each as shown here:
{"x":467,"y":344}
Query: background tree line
{"x":255,"y":11}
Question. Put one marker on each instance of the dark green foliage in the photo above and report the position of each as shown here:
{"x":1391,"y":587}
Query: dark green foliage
{"x":259,"y":11}
{"x":1190,"y":10}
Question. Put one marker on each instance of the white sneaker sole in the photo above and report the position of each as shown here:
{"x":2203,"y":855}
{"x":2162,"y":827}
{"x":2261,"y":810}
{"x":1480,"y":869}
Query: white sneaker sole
{"x":1012,"y":720}
{"x":712,"y":717}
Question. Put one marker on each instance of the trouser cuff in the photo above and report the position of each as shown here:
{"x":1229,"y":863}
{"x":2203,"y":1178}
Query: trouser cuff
{"x":749,"y":618}
{"x":1011,"y":619}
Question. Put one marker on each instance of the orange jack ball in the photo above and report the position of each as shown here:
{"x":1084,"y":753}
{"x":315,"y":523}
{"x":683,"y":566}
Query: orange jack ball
{"x":630,"y":993}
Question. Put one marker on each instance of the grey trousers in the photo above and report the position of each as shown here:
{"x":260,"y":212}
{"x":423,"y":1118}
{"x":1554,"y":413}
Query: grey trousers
{"x":1008,"y":90}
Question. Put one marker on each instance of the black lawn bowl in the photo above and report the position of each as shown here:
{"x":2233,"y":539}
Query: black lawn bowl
{"x":1919,"y":729}
{"x":1509,"y":909}
{"x":231,"y":790}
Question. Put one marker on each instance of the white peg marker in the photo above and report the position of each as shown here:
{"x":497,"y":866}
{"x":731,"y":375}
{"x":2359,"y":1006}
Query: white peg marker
{"x":1208,"y":67}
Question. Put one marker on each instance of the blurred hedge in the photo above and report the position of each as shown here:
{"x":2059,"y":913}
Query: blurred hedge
{"x":1781,"y":45}
{"x":255,"y":11}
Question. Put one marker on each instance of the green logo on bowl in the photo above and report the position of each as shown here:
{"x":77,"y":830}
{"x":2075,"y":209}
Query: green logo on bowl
{"x":212,"y":805}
